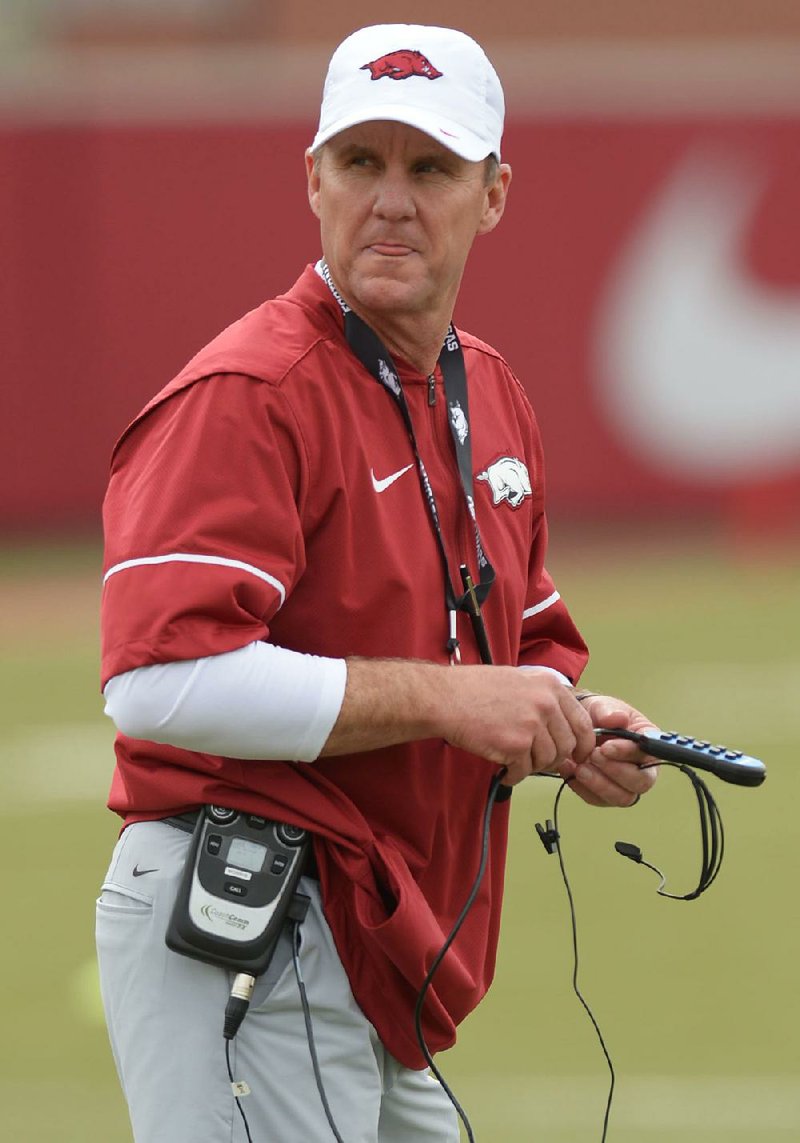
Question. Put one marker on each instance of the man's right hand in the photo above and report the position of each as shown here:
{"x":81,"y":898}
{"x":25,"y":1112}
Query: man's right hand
{"x":527,"y":721}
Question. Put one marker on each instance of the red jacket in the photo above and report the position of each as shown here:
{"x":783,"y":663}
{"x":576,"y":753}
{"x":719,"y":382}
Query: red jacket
{"x":248,"y":501}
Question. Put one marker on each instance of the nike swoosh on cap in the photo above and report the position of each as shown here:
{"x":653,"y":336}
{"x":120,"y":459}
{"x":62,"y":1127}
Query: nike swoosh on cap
{"x":382,"y":485}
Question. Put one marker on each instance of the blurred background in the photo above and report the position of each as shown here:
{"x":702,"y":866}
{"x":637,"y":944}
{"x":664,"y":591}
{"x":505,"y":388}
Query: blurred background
{"x":645,"y":286}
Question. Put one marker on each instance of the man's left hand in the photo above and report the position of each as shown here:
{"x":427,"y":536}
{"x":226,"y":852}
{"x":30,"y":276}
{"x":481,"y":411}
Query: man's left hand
{"x":612,"y":774}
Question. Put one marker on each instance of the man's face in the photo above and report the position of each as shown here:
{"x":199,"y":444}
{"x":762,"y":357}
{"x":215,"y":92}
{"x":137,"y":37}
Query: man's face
{"x":398,"y":214}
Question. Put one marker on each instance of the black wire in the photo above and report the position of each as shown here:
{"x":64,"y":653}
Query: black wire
{"x":235,"y":1096}
{"x":310,"y":1030}
{"x":713,"y":848}
{"x":437,"y":960}
{"x":575,"y":962}
{"x":712,"y":835}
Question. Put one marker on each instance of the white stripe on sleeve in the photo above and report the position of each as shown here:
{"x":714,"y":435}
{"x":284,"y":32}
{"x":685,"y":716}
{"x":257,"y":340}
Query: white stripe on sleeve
{"x":529,"y":612}
{"x":189,"y":558}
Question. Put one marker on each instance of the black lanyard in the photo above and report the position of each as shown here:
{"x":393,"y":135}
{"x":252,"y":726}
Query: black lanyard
{"x":373,"y":355}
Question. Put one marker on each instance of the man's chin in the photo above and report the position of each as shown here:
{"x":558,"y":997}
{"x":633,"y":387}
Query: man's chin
{"x":386,"y":289}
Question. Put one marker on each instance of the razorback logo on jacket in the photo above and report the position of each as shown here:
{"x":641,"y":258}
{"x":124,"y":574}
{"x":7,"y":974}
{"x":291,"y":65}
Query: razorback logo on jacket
{"x":401,"y":65}
{"x":508,"y":479}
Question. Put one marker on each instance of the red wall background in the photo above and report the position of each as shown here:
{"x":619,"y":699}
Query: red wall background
{"x":125,"y":248}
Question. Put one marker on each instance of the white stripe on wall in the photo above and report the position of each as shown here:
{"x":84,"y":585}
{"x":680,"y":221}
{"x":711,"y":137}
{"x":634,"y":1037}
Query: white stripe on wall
{"x":187,"y":558}
{"x":551,"y":599}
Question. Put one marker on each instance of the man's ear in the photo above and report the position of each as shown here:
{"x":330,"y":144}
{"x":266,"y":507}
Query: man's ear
{"x":312,"y":175}
{"x":496,"y":196}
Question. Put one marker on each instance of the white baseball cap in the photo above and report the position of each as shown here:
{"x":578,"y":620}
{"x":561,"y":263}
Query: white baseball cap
{"x":435,"y":79}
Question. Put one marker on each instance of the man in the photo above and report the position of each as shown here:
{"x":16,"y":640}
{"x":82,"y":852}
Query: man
{"x":300,"y":529}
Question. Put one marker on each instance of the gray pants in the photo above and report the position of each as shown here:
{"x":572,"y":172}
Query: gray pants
{"x":164,"y":1014}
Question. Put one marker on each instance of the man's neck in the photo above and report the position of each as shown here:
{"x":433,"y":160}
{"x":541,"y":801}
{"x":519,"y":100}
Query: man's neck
{"x":418,"y":342}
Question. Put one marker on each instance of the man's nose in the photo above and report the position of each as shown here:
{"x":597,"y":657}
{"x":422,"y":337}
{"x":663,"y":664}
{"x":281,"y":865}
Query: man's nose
{"x":394,"y":197}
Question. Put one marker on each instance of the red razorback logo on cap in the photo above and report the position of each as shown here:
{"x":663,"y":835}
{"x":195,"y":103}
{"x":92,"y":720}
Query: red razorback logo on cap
{"x":401,"y":65}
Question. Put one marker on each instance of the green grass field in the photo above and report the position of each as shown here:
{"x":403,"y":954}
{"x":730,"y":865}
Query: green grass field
{"x":697,"y":1000}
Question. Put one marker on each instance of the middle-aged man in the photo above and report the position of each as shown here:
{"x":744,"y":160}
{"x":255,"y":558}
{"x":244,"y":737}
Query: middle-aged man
{"x":291,"y":526}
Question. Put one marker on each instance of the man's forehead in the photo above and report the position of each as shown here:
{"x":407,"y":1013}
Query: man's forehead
{"x":385,"y":135}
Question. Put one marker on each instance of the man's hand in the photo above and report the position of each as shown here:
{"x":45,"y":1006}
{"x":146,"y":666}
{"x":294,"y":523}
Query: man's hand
{"x":611,"y":774}
{"x":527,"y":721}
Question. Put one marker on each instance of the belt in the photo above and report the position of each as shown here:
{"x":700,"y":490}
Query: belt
{"x":186,"y":822}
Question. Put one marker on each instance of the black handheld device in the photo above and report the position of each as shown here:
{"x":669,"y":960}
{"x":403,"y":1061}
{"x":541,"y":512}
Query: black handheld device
{"x":237,"y":887}
{"x":729,"y":765}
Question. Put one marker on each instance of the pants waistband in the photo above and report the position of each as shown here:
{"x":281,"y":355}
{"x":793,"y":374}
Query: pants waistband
{"x":186,"y":823}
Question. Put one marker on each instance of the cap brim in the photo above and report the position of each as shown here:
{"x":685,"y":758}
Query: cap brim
{"x":451,"y":135}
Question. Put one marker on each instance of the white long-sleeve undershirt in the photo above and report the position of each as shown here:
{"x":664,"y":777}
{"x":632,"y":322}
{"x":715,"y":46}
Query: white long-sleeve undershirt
{"x":260,"y":701}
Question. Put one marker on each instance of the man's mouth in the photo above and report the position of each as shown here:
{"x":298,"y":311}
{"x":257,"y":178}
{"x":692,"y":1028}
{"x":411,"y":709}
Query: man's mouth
{"x":391,"y":249}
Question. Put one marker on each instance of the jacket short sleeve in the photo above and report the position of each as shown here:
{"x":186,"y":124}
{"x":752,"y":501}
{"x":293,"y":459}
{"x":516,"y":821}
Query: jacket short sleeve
{"x":201,"y":517}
